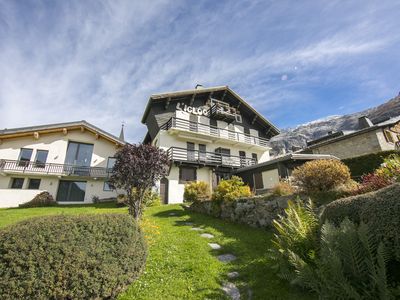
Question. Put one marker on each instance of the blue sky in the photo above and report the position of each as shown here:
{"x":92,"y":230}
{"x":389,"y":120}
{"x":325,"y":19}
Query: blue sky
{"x":294,"y":61}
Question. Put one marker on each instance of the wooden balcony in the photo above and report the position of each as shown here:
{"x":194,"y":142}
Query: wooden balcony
{"x":35,"y":168}
{"x":212,"y":131}
{"x":197,"y":157}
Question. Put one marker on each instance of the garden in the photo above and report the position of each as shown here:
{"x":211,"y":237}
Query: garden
{"x":322,"y":235}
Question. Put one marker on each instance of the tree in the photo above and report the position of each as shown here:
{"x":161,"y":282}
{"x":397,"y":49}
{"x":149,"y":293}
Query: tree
{"x":136,"y":170}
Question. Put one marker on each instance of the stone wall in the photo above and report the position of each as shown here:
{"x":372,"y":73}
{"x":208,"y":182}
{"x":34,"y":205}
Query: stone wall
{"x":254,"y":211}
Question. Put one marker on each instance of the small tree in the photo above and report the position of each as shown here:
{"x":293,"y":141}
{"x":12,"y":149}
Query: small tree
{"x":136,"y":170}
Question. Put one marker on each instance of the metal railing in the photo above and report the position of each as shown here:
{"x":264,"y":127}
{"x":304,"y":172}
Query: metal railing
{"x":31,"y":167}
{"x":209,"y":158}
{"x":187,"y":125}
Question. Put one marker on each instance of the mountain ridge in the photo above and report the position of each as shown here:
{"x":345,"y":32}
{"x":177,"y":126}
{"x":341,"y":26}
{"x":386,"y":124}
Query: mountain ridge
{"x":299,"y":135}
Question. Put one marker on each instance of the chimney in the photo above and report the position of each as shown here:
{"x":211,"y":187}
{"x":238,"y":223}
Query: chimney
{"x":364,"y":122}
{"x":199,"y":87}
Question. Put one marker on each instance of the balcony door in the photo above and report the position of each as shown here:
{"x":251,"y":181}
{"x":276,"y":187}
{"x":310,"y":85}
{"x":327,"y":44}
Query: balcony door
{"x":79,"y":156}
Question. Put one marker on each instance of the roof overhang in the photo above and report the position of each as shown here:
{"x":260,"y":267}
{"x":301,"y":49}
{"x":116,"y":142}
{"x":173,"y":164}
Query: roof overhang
{"x":59,"y":127}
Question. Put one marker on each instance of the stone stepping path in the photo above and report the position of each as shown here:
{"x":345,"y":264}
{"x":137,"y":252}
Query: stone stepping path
{"x":226,"y":257}
{"x":189,"y":223}
{"x":231,"y":290}
{"x":214,"y":246}
{"x":196,"y":229}
{"x":172,"y":214}
{"x":207,"y":235}
{"x":233,"y":275}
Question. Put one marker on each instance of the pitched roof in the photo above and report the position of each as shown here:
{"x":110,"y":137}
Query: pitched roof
{"x":50,"y":128}
{"x":345,"y":135}
{"x":226,"y":88}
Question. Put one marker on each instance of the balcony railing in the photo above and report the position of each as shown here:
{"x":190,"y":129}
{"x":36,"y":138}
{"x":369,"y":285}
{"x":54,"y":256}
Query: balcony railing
{"x":31,"y":167}
{"x":209,"y":158}
{"x":231,"y":135}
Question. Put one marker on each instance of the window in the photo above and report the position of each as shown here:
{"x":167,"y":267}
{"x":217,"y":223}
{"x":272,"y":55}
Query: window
{"x":243,"y":161}
{"x":79,"y":154}
{"x":108,"y":186}
{"x":238,"y":118}
{"x":41,"y":158}
{"x":73,"y":191}
{"x":25,"y":157}
{"x":242,"y":153}
{"x":388,"y":136}
{"x":190,"y":151}
{"x":17,"y":183}
{"x":34,"y":184}
{"x":110,"y":163}
{"x":254,"y":156}
{"x":223,"y":151}
{"x":202,"y":152}
{"x":187,"y":174}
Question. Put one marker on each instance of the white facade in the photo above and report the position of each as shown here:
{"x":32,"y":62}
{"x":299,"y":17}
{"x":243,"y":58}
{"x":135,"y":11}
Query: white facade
{"x":55,"y":169}
{"x":179,"y":136}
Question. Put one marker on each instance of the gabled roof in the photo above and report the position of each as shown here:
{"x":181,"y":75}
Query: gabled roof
{"x":58,"y":127}
{"x":178,"y":94}
{"x":345,"y":135}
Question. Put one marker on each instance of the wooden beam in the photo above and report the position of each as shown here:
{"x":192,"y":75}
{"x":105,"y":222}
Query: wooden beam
{"x":254,"y":120}
{"x":224,"y":94}
{"x":65,"y":131}
{"x":36,"y":135}
{"x":97,"y":136}
{"x":167,"y":103}
{"x":82,"y":129}
{"x":1,"y":141}
{"x":192,"y":99}
{"x":237,"y":106}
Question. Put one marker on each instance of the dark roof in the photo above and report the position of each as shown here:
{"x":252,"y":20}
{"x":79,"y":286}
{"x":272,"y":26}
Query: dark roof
{"x":4,"y":133}
{"x":286,"y":157}
{"x":334,"y":138}
{"x":178,"y":94}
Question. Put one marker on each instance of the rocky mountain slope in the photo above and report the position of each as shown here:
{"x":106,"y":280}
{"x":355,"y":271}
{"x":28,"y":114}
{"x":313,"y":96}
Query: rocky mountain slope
{"x":298,"y":136}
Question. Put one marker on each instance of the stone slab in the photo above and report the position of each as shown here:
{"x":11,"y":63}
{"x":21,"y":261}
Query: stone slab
{"x":214,"y":246}
{"x":231,"y":290}
{"x":226,"y":257}
{"x":207,"y":235}
{"x":196,"y":229}
{"x":233,"y":275}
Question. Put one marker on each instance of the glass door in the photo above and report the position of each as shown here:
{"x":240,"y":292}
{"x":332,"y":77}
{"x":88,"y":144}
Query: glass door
{"x":78,"y":158}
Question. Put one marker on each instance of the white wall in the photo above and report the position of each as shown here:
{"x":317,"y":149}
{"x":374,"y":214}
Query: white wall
{"x":270,"y":178}
{"x":13,"y":198}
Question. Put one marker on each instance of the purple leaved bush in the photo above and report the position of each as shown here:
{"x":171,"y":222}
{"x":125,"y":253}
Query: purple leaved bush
{"x":137,"y":169}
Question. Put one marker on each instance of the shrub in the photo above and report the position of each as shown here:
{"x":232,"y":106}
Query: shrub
{"x":197,"y":191}
{"x":231,"y":189}
{"x":371,"y":182}
{"x":121,"y":200}
{"x":321,"y":175}
{"x":40,"y":200}
{"x":351,"y":265}
{"x":282,"y":188}
{"x":296,"y":238}
{"x":390,"y":168}
{"x":151,"y":198}
{"x":366,"y":164}
{"x":95,"y":199}
{"x":70,"y":257}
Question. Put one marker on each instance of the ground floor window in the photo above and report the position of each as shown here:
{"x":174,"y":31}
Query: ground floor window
{"x":187,"y":174}
{"x":34,"y":184}
{"x":108,"y":186}
{"x":17,"y":183}
{"x":71,"y":191}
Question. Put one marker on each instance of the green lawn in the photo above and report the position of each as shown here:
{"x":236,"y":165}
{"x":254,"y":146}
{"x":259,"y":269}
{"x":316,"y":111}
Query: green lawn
{"x":181,"y":265}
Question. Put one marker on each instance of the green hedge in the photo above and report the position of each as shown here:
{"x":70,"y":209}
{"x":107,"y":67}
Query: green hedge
{"x":380,"y":210}
{"x":70,"y":257}
{"x":366,"y":164}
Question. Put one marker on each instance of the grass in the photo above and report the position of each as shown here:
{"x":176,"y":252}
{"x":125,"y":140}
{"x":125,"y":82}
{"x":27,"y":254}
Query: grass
{"x":181,"y":265}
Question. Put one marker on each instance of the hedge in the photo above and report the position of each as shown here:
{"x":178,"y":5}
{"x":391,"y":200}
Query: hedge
{"x":70,"y":257}
{"x":380,"y":210}
{"x":366,"y":164}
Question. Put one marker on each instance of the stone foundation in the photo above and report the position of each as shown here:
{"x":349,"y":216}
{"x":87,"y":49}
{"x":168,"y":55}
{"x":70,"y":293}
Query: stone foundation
{"x":254,"y":211}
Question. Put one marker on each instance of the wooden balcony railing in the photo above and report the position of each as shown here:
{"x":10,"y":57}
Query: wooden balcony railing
{"x":31,"y":167}
{"x":182,"y":124}
{"x":209,"y":158}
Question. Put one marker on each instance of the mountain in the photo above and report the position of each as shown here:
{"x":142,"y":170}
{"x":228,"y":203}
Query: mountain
{"x":298,"y":136}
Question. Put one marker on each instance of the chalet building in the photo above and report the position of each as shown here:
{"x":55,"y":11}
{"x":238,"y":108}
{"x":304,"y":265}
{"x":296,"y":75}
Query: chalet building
{"x":369,"y":138}
{"x":72,"y":161}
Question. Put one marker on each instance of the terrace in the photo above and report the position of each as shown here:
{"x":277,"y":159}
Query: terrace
{"x":233,"y":137}
{"x":31,"y":167}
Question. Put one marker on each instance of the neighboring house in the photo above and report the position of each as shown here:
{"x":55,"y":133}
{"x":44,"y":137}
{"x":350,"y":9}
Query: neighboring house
{"x":370,"y":138}
{"x":264,"y":176}
{"x":72,"y":161}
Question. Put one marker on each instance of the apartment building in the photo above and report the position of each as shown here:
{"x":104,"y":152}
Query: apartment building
{"x":208,"y":134}
{"x":72,"y":161}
